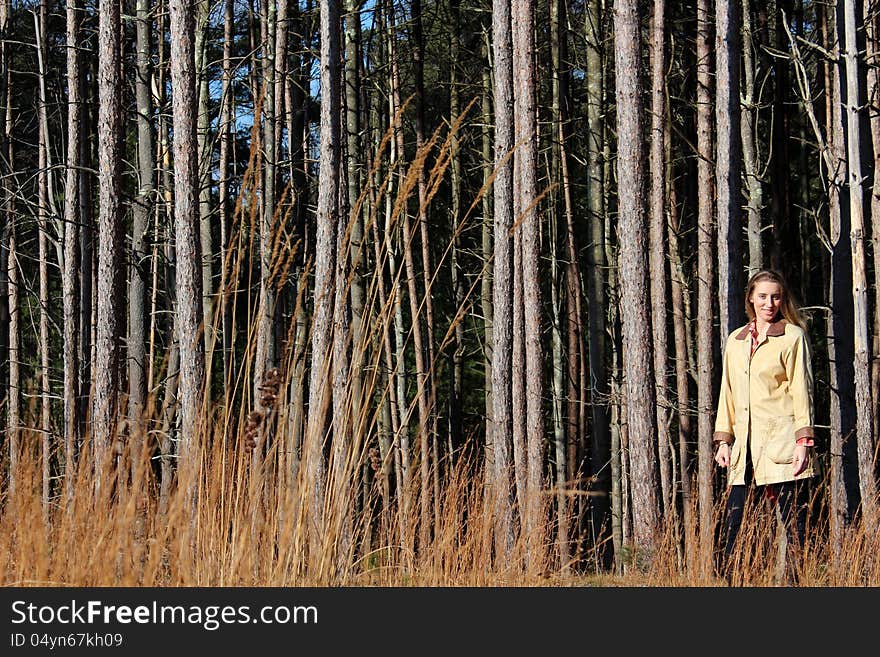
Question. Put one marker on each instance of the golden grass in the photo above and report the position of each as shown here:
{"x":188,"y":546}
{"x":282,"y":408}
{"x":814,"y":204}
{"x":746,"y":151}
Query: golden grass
{"x":241,"y":535}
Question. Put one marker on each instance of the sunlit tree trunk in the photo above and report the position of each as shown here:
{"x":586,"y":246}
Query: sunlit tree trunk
{"x":502,"y":280}
{"x":186,"y":230}
{"x":728,"y":168}
{"x":748,"y":127}
{"x":45,"y":208}
{"x":862,"y":366}
{"x":657,"y":251}
{"x":705,"y":282}
{"x":71,"y":267}
{"x":110,"y":220}
{"x":325,"y":271}
{"x":633,"y":267}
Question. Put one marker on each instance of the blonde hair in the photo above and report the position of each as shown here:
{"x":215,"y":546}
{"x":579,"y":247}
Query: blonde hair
{"x":788,"y":306}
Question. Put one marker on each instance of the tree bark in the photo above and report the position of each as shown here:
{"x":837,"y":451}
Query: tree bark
{"x":600,"y":449}
{"x":71,"y":267}
{"x":706,"y":277}
{"x":109,"y":299}
{"x":862,"y":366}
{"x":502,"y":280}
{"x":186,"y":232}
{"x":728,"y":167}
{"x":657,"y":252}
{"x":633,"y":266}
{"x":142,"y":210}
{"x":325,"y":270}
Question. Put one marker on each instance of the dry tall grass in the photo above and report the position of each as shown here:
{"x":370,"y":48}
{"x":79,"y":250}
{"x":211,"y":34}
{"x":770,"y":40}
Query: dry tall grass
{"x":236,"y":520}
{"x":241,"y":536}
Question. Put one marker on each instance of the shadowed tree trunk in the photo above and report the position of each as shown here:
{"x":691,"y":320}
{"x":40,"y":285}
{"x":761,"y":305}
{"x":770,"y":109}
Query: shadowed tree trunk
{"x":142,"y":210}
{"x":600,"y":448}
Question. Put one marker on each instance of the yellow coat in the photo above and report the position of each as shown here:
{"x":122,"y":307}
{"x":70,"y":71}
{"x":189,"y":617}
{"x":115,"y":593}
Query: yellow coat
{"x":766,"y":400}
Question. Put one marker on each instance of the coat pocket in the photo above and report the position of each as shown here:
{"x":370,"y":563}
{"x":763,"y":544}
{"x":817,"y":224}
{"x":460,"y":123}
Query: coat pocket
{"x":780,"y":439}
{"x":736,"y":453}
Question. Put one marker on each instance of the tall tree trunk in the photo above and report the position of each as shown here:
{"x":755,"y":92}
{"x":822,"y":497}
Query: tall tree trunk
{"x":205,"y":169}
{"x":840,"y":298}
{"x":186,"y":232}
{"x":600,"y":449}
{"x":5,"y":199}
{"x":264,"y":356}
{"x":227,"y":146}
{"x":872,"y":39}
{"x":109,"y":297}
{"x":657,"y":251}
{"x":502,"y":280}
{"x":457,"y":182}
{"x":633,"y":266}
{"x":706,"y":268}
{"x":780,"y":191}
{"x":680,"y":321}
{"x":325,"y":270}
{"x":728,"y":167}
{"x":564,"y":429}
{"x":525,"y":211}
{"x":748,"y":128}
{"x":44,"y":208}
{"x":486,"y":282}
{"x":142,"y":210}
{"x":13,"y":402}
{"x":71,"y":266}
{"x":862,"y":367}
{"x":428,"y":437}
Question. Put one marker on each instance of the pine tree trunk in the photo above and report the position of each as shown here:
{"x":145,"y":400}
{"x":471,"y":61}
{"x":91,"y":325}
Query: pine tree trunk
{"x":872,"y":39}
{"x":109,"y":299}
{"x":142,"y":210}
{"x":706,"y":268}
{"x":633,"y":266}
{"x":657,"y":252}
{"x":486,"y":281}
{"x":44,"y":209}
{"x":13,"y":402}
{"x":502,"y":281}
{"x":71,"y":267}
{"x":186,"y":232}
{"x":525,"y":211}
{"x":600,"y":448}
{"x":862,"y":367}
{"x":728,"y":168}
{"x":564,"y":428}
{"x":227,"y":146}
{"x":840,"y":300}
{"x":748,"y":127}
{"x":325,"y":270}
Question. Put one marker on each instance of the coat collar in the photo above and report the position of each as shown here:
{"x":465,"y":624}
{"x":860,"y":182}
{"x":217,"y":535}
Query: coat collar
{"x":774,"y":330}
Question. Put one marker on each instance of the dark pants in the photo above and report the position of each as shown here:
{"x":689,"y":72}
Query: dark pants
{"x":788,"y":495}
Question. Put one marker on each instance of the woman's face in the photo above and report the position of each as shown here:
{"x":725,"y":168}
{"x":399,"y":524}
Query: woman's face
{"x":766,"y":299}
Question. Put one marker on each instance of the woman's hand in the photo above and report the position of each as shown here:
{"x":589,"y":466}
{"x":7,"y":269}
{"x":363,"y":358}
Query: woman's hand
{"x":722,"y":455}
{"x":800,"y":461}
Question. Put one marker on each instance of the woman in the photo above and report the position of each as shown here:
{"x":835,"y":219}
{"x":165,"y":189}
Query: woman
{"x":764,"y":426}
